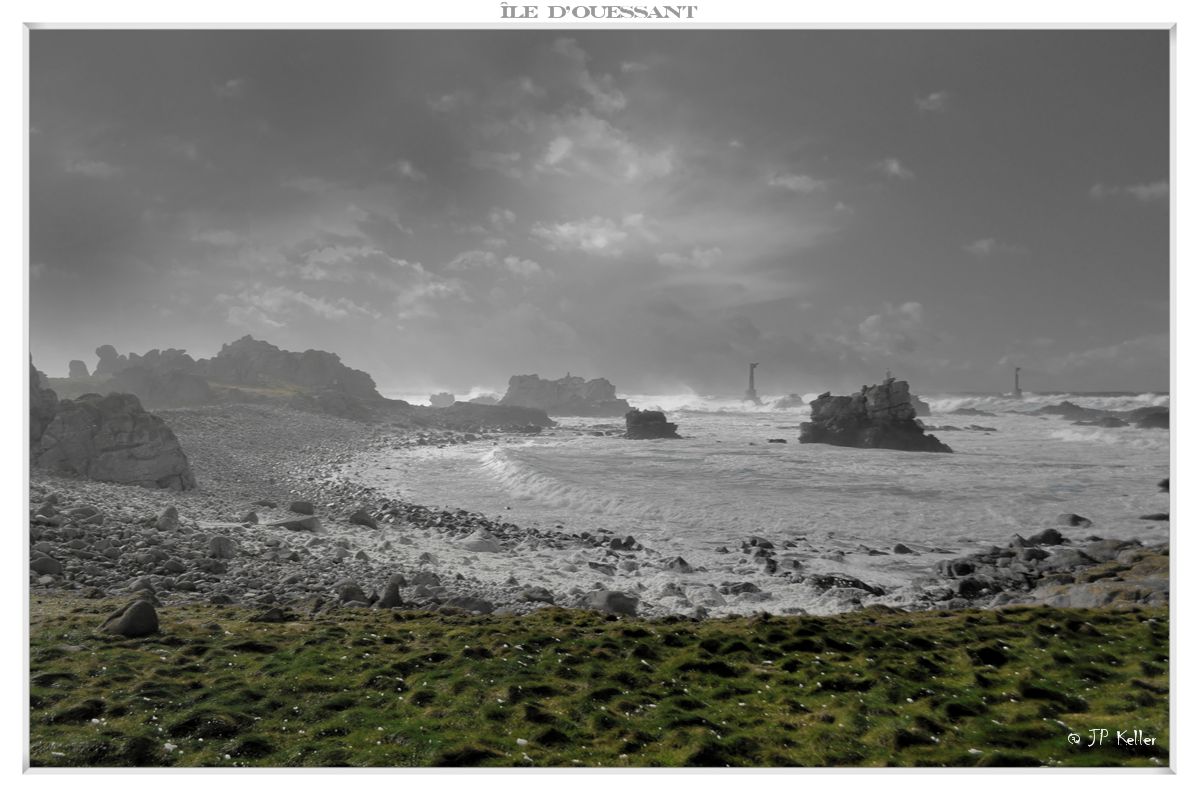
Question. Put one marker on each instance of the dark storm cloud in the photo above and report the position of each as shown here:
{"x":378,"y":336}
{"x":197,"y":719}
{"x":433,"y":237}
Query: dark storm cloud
{"x":445,"y":208}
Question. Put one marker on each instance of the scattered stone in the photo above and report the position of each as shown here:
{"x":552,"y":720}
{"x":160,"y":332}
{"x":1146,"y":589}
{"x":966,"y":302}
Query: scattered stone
{"x":535,"y":595}
{"x":361,"y":517}
{"x":167,"y":520}
{"x":46,"y":566}
{"x":250,"y":518}
{"x":348,"y":591}
{"x":610,"y":602}
{"x":1071,"y":519}
{"x":678,"y":565}
{"x":302,"y":507}
{"x":221,"y":547}
{"x":1048,"y":537}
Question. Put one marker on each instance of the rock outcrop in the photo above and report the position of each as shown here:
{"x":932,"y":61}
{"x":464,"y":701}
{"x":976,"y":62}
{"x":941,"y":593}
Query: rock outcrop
{"x":43,"y":403}
{"x":880,"y":416}
{"x":161,"y":388}
{"x":571,"y":395}
{"x":255,"y":362}
{"x":110,"y":438}
{"x":648,"y":425}
{"x":441,"y":400}
{"x":77,"y":369}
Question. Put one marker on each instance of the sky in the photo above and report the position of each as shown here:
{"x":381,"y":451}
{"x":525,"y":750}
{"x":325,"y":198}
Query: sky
{"x":447,"y":208}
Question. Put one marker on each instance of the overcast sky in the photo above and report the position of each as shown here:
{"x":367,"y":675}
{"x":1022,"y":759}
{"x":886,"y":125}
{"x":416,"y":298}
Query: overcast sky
{"x":446,"y":208}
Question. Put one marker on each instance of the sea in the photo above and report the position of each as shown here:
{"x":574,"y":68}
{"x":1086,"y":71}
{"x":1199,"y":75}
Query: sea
{"x":843,"y":510}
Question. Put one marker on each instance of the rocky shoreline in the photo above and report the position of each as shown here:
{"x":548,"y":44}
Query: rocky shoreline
{"x":275,"y":524}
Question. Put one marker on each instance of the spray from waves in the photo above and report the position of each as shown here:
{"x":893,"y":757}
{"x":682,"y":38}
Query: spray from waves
{"x":1148,"y":439}
{"x":694,"y":402}
{"x":942,"y":404}
{"x":523,"y":481}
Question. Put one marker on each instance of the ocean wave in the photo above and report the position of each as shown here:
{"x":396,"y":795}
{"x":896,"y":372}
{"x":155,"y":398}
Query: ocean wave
{"x":521,"y":480}
{"x":1149,"y":439}
{"x":942,"y":404}
{"x":693,"y":402}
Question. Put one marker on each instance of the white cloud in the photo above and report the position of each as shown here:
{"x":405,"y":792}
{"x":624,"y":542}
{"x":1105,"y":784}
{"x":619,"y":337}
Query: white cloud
{"x":448,"y":103}
{"x":274,"y":305}
{"x":698,"y":258}
{"x":97,"y":170}
{"x":594,"y":236}
{"x":1142,"y":192}
{"x":896,"y":330}
{"x":405,"y":168}
{"x":986,"y":247}
{"x":934,"y":102}
{"x":581,"y":143}
{"x":800,"y":183}
{"x":892,"y":167}
{"x":231,"y":89}
{"x":503,"y":162}
{"x":606,"y":98}
{"x":480,"y":260}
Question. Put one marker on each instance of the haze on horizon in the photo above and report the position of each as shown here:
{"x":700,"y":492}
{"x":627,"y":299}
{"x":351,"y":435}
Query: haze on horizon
{"x":446,"y":208}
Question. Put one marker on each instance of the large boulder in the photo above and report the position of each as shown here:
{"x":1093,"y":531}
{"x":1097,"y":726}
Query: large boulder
{"x":611,"y":602}
{"x":112,"y":438}
{"x":648,"y":425}
{"x":571,"y":395}
{"x":134,"y":619}
{"x":880,"y":416}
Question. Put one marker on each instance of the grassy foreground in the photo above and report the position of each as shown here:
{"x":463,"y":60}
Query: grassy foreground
{"x":567,"y":688}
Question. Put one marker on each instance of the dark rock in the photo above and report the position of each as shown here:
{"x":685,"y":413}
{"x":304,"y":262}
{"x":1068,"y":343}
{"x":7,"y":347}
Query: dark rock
{"x":956,"y":568}
{"x":134,"y":619}
{"x":441,"y":400}
{"x":1155,"y":516}
{"x":901,"y":548}
{"x":880,"y":416}
{"x":1151,"y":417}
{"x":302,"y":507}
{"x":46,"y":566}
{"x":828,"y":581}
{"x":250,"y":518}
{"x":535,"y":595}
{"x":776,"y":440}
{"x":610,"y":602}
{"x":470,"y":603}
{"x":348,"y":590}
{"x":111,"y":438}
{"x":77,"y":369}
{"x":361,"y":517}
{"x":274,"y":614}
{"x":221,"y":547}
{"x":678,"y":565}
{"x":43,"y":405}
{"x":167,"y":520}
{"x":648,"y":425}
{"x":571,"y":396}
{"x":109,"y":361}
{"x":1164,"y":486}
{"x":1047,"y":537}
{"x":1071,"y":519}
{"x":739,"y":588}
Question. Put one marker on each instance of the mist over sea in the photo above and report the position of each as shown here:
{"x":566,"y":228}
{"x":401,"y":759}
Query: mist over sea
{"x":844,"y":509}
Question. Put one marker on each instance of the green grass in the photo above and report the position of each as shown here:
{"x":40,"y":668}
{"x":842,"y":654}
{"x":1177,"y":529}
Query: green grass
{"x":365,"y":688}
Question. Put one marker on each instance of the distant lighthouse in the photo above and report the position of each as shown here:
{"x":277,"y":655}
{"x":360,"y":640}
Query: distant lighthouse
{"x":751,"y":393}
{"x":1017,"y":382}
